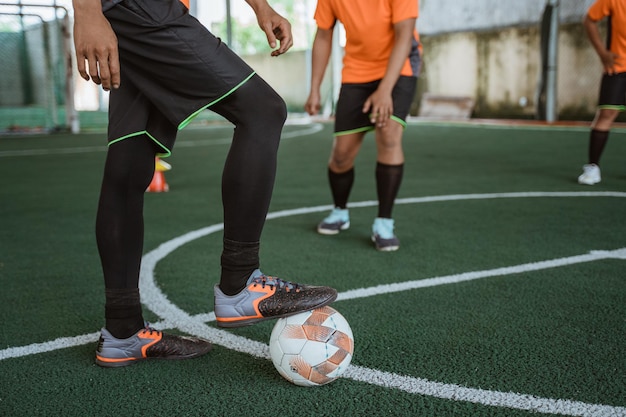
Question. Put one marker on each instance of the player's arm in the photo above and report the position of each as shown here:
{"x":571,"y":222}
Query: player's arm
{"x":593,"y":33}
{"x":320,"y":55}
{"x":276,"y":27}
{"x":95,"y":44}
{"x":380,"y":103}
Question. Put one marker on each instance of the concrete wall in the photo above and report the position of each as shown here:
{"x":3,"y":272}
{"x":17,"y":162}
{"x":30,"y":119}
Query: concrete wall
{"x":499,"y":69}
{"x":445,"y":16}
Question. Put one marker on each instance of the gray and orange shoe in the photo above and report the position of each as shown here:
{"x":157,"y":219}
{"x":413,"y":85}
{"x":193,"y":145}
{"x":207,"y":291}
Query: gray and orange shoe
{"x":147,"y":343}
{"x":266,"y":297}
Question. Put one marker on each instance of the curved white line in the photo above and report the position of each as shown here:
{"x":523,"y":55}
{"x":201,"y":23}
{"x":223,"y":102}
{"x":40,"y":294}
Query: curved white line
{"x":156,"y":301}
{"x":174,"y":317}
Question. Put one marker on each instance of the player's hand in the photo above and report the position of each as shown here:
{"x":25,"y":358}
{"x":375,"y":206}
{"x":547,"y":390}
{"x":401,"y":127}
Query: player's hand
{"x":608,"y":61}
{"x":276,"y":28}
{"x":96,"y":50}
{"x":313,"y":103}
{"x":380,"y":107}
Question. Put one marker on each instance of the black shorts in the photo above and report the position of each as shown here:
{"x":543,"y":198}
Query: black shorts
{"x":349,"y":116}
{"x":613,"y":92}
{"x":172,"y":68}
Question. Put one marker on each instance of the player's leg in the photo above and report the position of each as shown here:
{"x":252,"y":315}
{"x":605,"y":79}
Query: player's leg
{"x":340,"y":179}
{"x":126,"y":339}
{"x":612,"y":100}
{"x":390,"y":165}
{"x":245,"y":295}
{"x":209,"y":75}
{"x":351,"y":125}
{"x":258,"y":114}
{"x":119,"y":231}
{"x":137,"y":131}
{"x":599,"y":135}
{"x":389,"y":172}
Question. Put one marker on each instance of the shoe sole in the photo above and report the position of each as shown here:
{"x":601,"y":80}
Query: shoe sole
{"x":329,"y":232}
{"x":248,"y":322}
{"x":583,"y":182}
{"x":390,"y":248}
{"x":131,"y":361}
{"x":387,"y":248}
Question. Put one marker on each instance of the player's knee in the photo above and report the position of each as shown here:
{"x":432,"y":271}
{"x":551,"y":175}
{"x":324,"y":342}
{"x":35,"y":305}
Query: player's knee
{"x":340,"y":162}
{"x":389,"y":136}
{"x":275,"y":109}
{"x":269,"y":106}
{"x":128,"y":165}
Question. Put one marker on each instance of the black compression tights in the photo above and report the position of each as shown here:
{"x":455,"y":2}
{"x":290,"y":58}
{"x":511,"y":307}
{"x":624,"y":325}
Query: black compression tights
{"x":258,"y":114}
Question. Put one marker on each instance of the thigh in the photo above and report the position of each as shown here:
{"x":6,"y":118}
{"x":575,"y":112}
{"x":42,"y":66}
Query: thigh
{"x":403,"y":94}
{"x":349,"y":116}
{"x":613,"y":92}
{"x":179,"y":65}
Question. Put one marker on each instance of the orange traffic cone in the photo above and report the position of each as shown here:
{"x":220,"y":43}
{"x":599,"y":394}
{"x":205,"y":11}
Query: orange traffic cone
{"x":158,"y":184}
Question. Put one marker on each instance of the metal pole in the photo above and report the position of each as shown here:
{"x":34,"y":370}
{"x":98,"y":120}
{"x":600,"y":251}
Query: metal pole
{"x":229,"y":26}
{"x":553,"y":43}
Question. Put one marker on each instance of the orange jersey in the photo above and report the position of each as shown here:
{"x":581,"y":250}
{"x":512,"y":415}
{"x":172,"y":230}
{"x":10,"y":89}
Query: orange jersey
{"x":369,"y":34}
{"x":615,"y":10}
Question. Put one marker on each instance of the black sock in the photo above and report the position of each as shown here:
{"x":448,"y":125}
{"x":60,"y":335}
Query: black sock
{"x":597,"y":141}
{"x":122,"y":312}
{"x":340,"y":186}
{"x":239,"y":260}
{"x":388,"y":179}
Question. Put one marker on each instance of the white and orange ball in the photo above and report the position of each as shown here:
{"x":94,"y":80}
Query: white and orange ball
{"x":312,"y":348}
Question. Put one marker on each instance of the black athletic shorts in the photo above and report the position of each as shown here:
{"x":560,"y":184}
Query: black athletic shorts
{"x":349,"y":116}
{"x":172,"y":68}
{"x":613,"y":92}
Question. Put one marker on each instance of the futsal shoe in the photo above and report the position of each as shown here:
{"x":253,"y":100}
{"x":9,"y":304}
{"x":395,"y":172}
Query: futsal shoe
{"x":147,"y":343}
{"x":266,"y":297}
{"x":590,"y":175}
{"x":382,"y":235}
{"x":336,"y":221}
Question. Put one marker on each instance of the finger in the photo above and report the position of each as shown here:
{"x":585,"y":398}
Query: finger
{"x":283,"y":32}
{"x":114,"y":68}
{"x":80,"y":65}
{"x":94,"y":72}
{"x":367,"y":105}
{"x":271,"y":38}
{"x":105,"y":75}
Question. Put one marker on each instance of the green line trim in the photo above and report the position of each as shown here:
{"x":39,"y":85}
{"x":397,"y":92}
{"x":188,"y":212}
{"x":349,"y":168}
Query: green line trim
{"x":167,"y":152}
{"x":369,"y":128}
{"x":360,"y":129}
{"x":612,"y":107}
{"x":194,"y":114}
{"x":399,"y":120}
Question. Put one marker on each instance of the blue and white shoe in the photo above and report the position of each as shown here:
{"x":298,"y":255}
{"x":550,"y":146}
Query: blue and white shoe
{"x":382,"y":235}
{"x":336,"y":221}
{"x":591,"y":175}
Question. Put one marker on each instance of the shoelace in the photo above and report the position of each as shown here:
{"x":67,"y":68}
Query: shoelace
{"x":272,"y":282}
{"x":150,"y":330}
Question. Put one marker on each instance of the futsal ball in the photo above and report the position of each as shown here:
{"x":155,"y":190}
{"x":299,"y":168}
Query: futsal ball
{"x":312,"y":348}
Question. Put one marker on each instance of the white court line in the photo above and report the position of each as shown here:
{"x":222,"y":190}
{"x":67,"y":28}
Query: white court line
{"x":174,"y":317}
